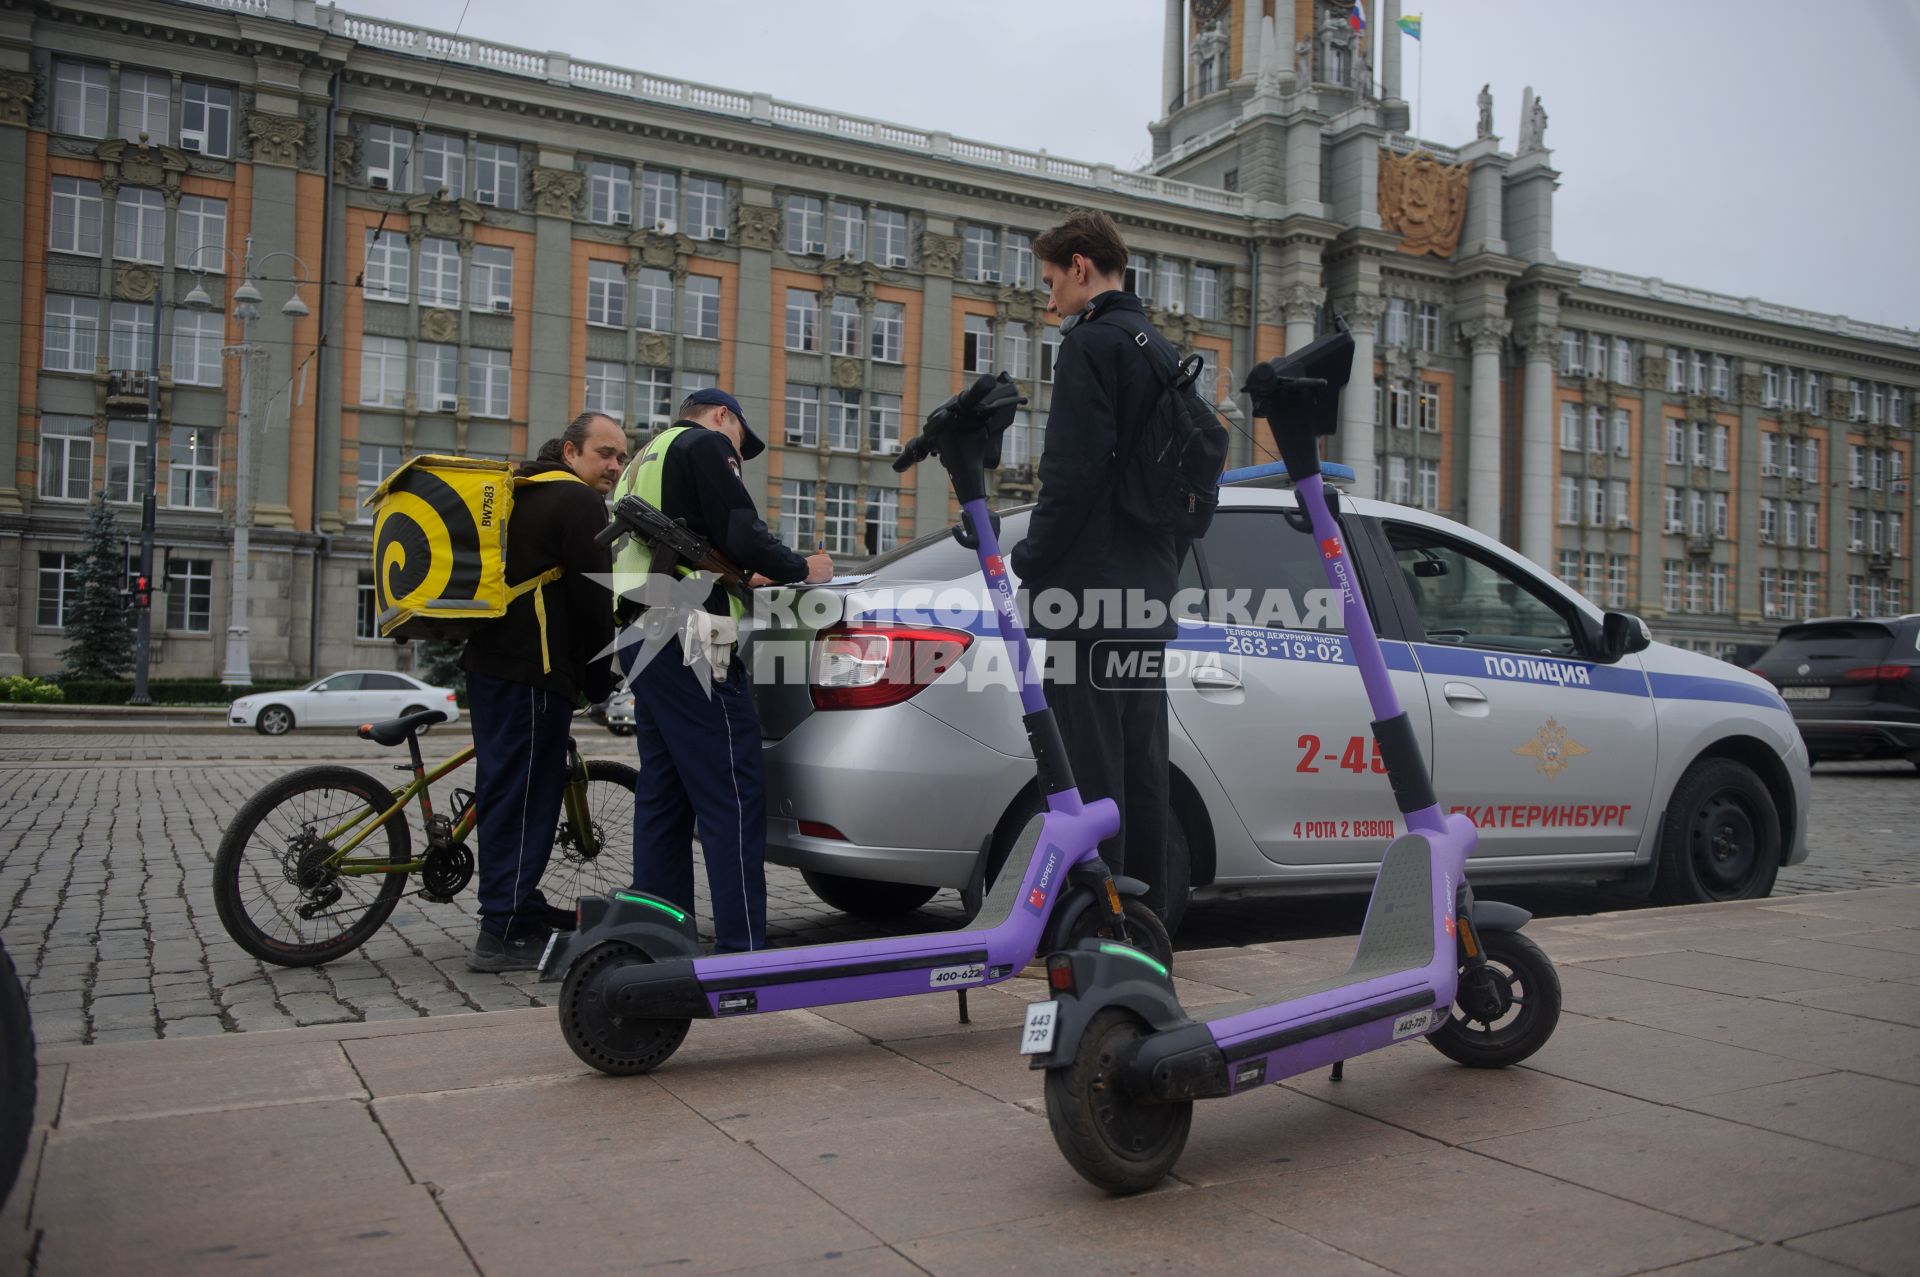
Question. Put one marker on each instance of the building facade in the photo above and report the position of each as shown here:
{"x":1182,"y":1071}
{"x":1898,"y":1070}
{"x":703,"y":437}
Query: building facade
{"x":488,"y":239}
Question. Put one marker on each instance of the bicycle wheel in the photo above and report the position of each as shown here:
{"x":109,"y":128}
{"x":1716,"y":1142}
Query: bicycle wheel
{"x":573,"y":871}
{"x":275,"y":895}
{"x":18,"y":1075}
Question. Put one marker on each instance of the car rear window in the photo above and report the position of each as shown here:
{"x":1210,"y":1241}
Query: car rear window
{"x":1832,"y":640}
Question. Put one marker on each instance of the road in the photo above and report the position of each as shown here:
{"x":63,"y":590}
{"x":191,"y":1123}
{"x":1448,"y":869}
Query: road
{"x":106,"y":843}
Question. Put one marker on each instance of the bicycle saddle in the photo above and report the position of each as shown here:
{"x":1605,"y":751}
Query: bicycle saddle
{"x":395,"y":730}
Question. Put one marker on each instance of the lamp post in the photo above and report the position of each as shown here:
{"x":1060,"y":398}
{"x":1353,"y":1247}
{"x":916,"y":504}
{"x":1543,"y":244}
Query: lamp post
{"x":246,"y":308}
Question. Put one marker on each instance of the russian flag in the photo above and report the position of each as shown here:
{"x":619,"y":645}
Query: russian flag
{"x":1358,"y":18}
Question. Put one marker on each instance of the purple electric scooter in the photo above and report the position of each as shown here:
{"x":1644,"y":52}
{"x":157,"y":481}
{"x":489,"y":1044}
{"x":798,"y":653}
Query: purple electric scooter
{"x":1125,"y":1062}
{"x":634,"y":977}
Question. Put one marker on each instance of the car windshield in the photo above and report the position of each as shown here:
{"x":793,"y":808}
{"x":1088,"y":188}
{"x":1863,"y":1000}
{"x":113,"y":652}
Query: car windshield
{"x":938,"y":557}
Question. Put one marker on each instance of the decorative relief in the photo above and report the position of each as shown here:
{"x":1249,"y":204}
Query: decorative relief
{"x":1750,"y":388}
{"x":759,"y":223}
{"x":1485,"y":336}
{"x":658,"y":251}
{"x":439,"y":325}
{"x":849,"y":279}
{"x":555,"y":191}
{"x":442,"y":219}
{"x":939,"y":254}
{"x":1020,"y":306}
{"x":845,"y":373}
{"x":1239,"y":307}
{"x":1177,"y":327}
{"x":1539,"y":340}
{"x":135,"y":283}
{"x":1423,"y":200}
{"x":16,"y":97}
{"x":656,"y":350}
{"x":346,"y":157}
{"x":137,"y":165}
{"x":1653,"y":371}
{"x":1361,"y":311}
{"x":276,"y":139}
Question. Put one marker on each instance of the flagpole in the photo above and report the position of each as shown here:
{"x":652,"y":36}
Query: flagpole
{"x":1420,"y":88}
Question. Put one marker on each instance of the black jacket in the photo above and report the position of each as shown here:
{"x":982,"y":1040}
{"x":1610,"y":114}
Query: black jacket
{"x":1077,"y":539}
{"x":700,"y":482}
{"x":553,"y":525}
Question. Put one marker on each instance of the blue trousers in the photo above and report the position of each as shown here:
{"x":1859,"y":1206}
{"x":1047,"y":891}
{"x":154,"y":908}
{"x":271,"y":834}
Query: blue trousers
{"x":520,"y":755}
{"x":700,"y":768}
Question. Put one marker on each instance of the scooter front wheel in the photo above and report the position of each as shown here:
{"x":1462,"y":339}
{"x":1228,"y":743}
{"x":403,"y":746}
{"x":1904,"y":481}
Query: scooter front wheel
{"x":1114,"y":1141}
{"x":612,"y":1042}
{"x":1139,"y":927}
{"x":1511,"y":1014}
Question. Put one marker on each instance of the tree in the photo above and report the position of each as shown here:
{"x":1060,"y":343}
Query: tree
{"x":99,"y":638}
{"x":438,"y":661}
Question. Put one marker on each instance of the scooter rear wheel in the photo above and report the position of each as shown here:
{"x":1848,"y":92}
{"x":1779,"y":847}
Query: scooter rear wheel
{"x":621,"y":1045}
{"x":1114,"y":1141}
{"x":1514,"y":1016}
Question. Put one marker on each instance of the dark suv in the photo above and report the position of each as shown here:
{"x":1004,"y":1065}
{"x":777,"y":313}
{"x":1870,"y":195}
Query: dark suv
{"x":1853,"y":685}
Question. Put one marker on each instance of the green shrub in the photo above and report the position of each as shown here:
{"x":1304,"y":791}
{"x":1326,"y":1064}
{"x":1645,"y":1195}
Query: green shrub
{"x":18,"y":689}
{"x":168,"y":691}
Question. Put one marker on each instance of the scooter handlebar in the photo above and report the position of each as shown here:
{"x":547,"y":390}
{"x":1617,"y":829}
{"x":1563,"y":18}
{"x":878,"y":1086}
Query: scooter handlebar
{"x":1299,"y":395}
{"x":989,"y":396}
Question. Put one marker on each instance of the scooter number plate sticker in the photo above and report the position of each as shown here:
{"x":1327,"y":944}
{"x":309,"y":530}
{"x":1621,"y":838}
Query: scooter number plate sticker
{"x":1042,"y":1019}
{"x":954,"y":977}
{"x":1408,"y":1025}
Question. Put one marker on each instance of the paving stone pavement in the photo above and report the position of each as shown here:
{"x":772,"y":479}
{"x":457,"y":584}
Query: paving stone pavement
{"x":106,"y":899}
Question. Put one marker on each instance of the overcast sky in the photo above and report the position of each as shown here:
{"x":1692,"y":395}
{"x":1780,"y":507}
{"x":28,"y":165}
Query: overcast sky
{"x":1758,"y":148}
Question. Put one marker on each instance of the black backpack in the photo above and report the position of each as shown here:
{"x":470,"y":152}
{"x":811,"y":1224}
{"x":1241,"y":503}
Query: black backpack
{"x":1167,"y":476}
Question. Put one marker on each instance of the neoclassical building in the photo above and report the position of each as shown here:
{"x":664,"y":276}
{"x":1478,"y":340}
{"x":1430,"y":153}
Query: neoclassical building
{"x":485,"y":239}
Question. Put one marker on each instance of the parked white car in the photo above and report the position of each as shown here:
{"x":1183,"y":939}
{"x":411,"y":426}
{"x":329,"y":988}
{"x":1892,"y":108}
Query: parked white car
{"x":347,"y":699}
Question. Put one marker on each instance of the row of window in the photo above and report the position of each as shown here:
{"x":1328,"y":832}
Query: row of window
{"x":1405,"y":322}
{"x":1597,"y":354}
{"x":72,"y":339}
{"x":188,"y":591}
{"x":389,"y":272}
{"x":1875,"y":468}
{"x":850,"y":519}
{"x":812,"y":409}
{"x":1875,"y":403}
{"x":76,"y":220}
{"x":1702,"y":587}
{"x":1686,"y":510}
{"x":402,"y":157}
{"x":437,"y":382}
{"x":650,"y":390}
{"x":1408,"y":406}
{"x":887,"y":329}
{"x":1786,"y":594}
{"x":1604,"y":576}
{"x":67,"y":448}
{"x":84,"y":102}
{"x":1710,"y":444}
{"x":647,"y":303}
{"x":1596,"y":436}
{"x":842,"y":229}
{"x":1411,"y":481}
{"x":1601,"y":496}
{"x":1789,"y":522}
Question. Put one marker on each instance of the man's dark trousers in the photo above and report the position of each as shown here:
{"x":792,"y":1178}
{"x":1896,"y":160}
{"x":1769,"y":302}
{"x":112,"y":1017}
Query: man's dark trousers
{"x":700,"y":767}
{"x":1114,"y":723}
{"x":520,"y":757}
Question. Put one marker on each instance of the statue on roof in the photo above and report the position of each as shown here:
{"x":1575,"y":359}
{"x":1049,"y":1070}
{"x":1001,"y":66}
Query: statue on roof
{"x":1485,"y":127}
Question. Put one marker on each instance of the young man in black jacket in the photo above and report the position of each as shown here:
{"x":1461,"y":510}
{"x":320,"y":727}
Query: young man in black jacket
{"x":1099,"y":583}
{"x":526,"y":672}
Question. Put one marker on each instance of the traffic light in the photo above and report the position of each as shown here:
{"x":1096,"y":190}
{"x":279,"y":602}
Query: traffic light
{"x":142,"y":593}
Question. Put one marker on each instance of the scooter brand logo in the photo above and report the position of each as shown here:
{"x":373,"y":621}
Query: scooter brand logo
{"x":1330,"y":548}
{"x":995,"y":567}
{"x":949,"y":977}
{"x":1037,"y":898}
{"x":1408,"y":1025}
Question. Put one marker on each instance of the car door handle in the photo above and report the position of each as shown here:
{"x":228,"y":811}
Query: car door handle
{"x":1464,"y":693}
{"x":1214,"y":679}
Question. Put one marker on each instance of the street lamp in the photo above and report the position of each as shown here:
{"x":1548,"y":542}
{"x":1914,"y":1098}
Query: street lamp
{"x":246,"y":307}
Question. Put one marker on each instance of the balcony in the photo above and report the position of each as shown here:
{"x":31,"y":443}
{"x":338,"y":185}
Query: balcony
{"x":1880,"y":562}
{"x":1699,"y":545}
{"x":127,"y":391}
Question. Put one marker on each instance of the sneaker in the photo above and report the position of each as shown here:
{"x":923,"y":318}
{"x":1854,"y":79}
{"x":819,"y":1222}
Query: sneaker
{"x":554,"y":918}
{"x":522,"y":953}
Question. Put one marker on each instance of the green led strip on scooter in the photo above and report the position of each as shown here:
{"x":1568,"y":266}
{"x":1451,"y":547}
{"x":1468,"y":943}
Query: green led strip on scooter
{"x":1120,"y":950}
{"x":669,"y":910}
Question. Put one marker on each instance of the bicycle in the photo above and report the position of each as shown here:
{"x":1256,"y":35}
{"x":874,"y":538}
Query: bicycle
{"x":287,"y":862}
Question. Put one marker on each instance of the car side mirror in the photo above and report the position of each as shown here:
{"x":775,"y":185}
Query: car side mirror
{"x":1621,"y":635}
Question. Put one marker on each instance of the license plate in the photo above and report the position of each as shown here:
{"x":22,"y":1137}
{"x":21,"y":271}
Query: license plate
{"x":553,"y":938}
{"x":1042,"y":1019}
{"x":1806,"y":693}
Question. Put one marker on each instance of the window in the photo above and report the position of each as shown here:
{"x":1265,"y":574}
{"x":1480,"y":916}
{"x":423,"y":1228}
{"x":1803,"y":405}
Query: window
{"x":1569,"y":499}
{"x":1676,"y":442}
{"x":1572,"y":353}
{"x":887,"y":339}
{"x":1429,"y":476}
{"x":1769,"y":453}
{"x":1596,"y":429}
{"x":66,"y":458}
{"x":1876,"y":469}
{"x":1812,"y":400}
{"x":144,"y":107}
{"x":883,"y":423}
{"x":1173,"y":285}
{"x":843,"y":421}
{"x":1399,"y":482}
{"x":377,"y":461}
{"x":842,"y":507}
{"x":889,"y":237}
{"x":609,"y":193}
{"x":130,"y":337}
{"x":72,"y":334}
{"x":1696,"y":373}
{"x":1592,"y":582}
{"x":1676,"y":370}
{"x":846,"y":327}
{"x":1244,"y":553}
{"x":796,"y":513}
{"x":653,"y":396}
{"x":126,"y":461}
{"x":1769,"y":386}
{"x":1697,"y":513}
{"x":1622,"y":432}
{"x":1717,"y":582}
{"x":1623,"y":362}
{"x":806,"y":225}
{"x":1792,"y":523}
{"x":197,"y":340}
{"x":706,"y":208}
{"x":1696,"y":587}
{"x":1810,"y":524}
{"x":1856,"y":525}
{"x":1769,"y":522}
{"x":606,"y":294}
{"x":366,"y":612}
{"x":1720,"y":514}
{"x":979,"y":254}
{"x":139,"y":225}
{"x":389,"y":263}
{"x":1138,"y":276}
{"x":383,"y":371}
{"x":75,"y":217}
{"x":1016,"y":348}
{"x":701,"y":316}
{"x":439,"y":273}
{"x":1596,"y":503}
{"x":883,"y":520}
{"x":659,"y":201}
{"x":1896,"y":407}
{"x":1670,"y":585}
{"x":1720,"y":448}
{"x":1399,"y":313}
{"x":490,"y":277}
{"x":846,"y":230}
{"x":1018,"y":446}
{"x":80,"y":99}
{"x":1570,"y":567}
{"x":606,"y":389}
{"x":1700,"y":443}
{"x":489,"y":382}
{"x":389,"y":147}
{"x":193,"y":477}
{"x":1616,"y":580}
{"x":190,"y":595}
{"x":1722,"y":377}
{"x":976,"y":350}
{"x":443,"y":165}
{"x":1050,"y":352}
{"x":206,"y":118}
{"x":59,"y":588}
{"x":1485,"y":605}
{"x":803,"y":415}
{"x":1016,"y":259}
{"x":1672,"y":507}
{"x":199,"y":233}
{"x":653,"y":300}
{"x":496,"y":174}
{"x":1400,"y":407}
{"x":1622,"y":511}
{"x":1428,"y":416}
{"x":803,"y":319}
{"x":1896,"y":543}
{"x":1427,"y":326}
{"x":436,"y":385}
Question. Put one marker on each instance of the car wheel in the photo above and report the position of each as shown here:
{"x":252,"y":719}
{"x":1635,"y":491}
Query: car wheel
{"x":416,"y":709}
{"x":274,"y":720}
{"x":1721,"y":836}
{"x":870,"y":901}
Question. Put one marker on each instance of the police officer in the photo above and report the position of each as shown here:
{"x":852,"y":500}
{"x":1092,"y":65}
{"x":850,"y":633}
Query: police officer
{"x":695,"y":724}
{"x":526,"y":671}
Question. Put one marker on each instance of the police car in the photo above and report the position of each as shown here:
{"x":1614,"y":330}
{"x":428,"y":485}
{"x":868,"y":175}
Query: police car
{"x":1582,"y":750}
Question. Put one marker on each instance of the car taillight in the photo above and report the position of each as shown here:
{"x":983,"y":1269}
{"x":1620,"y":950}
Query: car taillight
{"x":869,"y":666}
{"x":1876,"y":674}
{"x":1755,"y":669}
{"x":452,"y":698}
{"x":816,"y":829}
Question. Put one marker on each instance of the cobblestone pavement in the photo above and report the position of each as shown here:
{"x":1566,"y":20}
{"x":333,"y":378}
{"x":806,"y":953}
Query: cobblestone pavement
{"x":106,"y":902}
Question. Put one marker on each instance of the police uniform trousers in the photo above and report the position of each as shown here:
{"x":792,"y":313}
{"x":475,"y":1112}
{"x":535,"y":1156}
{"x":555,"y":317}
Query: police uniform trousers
{"x":520,"y":760}
{"x":701,"y":770}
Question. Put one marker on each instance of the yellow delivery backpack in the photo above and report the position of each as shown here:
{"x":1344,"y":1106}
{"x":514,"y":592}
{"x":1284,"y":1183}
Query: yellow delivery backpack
{"x":440,"y":547}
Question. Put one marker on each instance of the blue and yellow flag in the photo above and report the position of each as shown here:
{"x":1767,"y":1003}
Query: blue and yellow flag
{"x":1411,"y":25}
